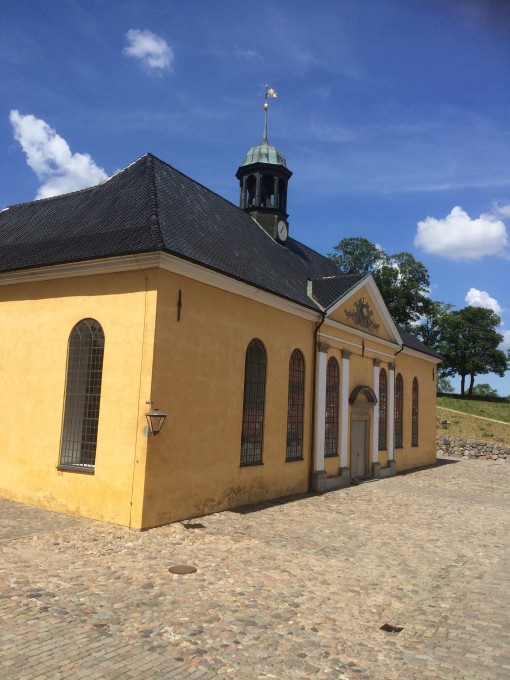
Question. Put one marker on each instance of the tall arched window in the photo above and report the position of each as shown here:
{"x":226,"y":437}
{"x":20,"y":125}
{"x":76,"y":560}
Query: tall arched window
{"x":399,"y":407}
{"x":253,"y":404}
{"x":295,"y":408}
{"x":414,"y":416}
{"x":83,"y":395}
{"x":383,"y":405}
{"x":332,"y":398}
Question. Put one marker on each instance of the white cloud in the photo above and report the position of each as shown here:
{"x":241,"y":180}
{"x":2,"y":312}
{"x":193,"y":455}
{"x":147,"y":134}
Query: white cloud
{"x":50,"y":157}
{"x":458,"y":237}
{"x":152,"y":50}
{"x":480,"y":298}
{"x":246,"y":53}
{"x":502,"y":210}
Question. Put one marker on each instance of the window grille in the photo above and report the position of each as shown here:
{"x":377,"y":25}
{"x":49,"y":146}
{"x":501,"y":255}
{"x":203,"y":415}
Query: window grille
{"x":399,"y":406}
{"x":253,"y":404}
{"x":414,"y":417}
{"x":383,"y":405}
{"x":82,"y":395}
{"x":295,"y":409}
{"x":332,"y":399}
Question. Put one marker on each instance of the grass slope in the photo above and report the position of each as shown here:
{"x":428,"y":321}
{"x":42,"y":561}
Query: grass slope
{"x":473,"y":419}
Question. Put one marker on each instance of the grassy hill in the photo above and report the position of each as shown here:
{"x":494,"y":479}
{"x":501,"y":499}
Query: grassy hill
{"x":474,"y":419}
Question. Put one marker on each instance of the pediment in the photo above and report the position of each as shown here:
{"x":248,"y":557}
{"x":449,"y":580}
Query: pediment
{"x":363,"y":309}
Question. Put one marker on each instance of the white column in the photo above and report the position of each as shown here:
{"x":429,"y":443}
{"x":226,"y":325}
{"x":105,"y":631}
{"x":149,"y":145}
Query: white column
{"x":375,"y":423}
{"x":320,"y":422}
{"x":391,"y":412}
{"x":344,"y":409}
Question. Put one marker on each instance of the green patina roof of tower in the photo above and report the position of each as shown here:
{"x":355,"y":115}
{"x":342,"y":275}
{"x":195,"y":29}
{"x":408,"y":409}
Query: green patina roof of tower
{"x":264,"y":153}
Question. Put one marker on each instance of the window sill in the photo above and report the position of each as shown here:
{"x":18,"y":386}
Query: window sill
{"x":331,"y":455}
{"x":293,"y":460}
{"x":251,"y":464}
{"x":90,"y":470}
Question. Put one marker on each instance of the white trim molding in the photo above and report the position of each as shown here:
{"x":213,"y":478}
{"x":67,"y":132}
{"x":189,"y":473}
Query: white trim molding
{"x":344,"y":409}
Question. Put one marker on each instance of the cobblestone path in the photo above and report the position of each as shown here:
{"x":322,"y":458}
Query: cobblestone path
{"x":292,"y":590}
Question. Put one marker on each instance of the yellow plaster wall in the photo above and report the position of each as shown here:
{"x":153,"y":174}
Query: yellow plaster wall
{"x":193,"y":467}
{"x":37,"y":319}
{"x":409,"y":456}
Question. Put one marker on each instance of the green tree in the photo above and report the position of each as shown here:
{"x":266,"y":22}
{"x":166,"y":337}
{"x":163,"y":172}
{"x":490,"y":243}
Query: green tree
{"x":484,"y":390}
{"x":429,"y":329}
{"x":444,"y":385}
{"x":470,"y":345}
{"x":402,"y":280}
{"x":357,"y":255}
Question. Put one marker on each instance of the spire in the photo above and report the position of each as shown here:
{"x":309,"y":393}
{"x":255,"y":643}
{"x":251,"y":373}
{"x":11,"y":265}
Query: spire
{"x":267,"y":94}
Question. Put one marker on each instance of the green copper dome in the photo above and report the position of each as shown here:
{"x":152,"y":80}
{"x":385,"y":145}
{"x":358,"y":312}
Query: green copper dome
{"x":264,"y":153}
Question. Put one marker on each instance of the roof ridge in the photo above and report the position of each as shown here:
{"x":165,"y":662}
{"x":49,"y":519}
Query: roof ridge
{"x":78,"y":191}
{"x":153,"y":202}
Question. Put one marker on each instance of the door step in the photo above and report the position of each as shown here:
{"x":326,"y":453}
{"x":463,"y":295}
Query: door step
{"x":358,"y":482}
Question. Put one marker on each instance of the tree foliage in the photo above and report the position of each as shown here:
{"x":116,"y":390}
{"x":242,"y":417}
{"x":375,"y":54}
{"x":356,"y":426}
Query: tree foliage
{"x":402,"y":280}
{"x":484,"y":390}
{"x":470,"y":345}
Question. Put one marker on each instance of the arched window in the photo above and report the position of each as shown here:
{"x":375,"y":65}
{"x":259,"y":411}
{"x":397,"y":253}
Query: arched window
{"x":399,"y":406}
{"x":253,"y":404}
{"x":295,"y":408}
{"x":383,"y":404}
{"x":414,"y":416}
{"x":332,"y":398}
{"x":83,"y":395}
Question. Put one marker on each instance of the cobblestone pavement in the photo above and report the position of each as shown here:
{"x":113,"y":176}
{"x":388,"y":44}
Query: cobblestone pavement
{"x":292,"y":590}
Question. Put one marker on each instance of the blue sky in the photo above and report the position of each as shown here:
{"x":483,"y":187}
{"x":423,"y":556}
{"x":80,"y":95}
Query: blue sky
{"x":393,"y":115}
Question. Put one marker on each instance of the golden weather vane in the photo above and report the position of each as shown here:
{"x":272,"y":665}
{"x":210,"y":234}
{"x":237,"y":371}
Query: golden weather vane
{"x":270,"y":93}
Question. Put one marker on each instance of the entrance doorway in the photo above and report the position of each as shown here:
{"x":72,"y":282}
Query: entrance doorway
{"x":359,"y":447}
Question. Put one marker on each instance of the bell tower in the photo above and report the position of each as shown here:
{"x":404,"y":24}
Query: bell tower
{"x":263,"y":177}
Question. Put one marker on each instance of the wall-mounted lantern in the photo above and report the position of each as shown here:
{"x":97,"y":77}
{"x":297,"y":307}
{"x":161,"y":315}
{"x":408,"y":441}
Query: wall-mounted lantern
{"x":155,"y":419}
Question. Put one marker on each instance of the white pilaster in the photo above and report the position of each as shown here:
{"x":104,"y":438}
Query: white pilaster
{"x":344,"y":409}
{"x":391,"y":412}
{"x":320,"y":422}
{"x":375,"y":423}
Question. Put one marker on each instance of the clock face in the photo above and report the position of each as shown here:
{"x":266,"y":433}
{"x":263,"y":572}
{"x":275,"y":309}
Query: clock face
{"x":281,"y":230}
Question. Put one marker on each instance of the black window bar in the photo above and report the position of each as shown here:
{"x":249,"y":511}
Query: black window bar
{"x":399,"y":405}
{"x":295,"y":407}
{"x":383,"y":405}
{"x":332,"y":399}
{"x":253,"y":404}
{"x":82,"y":395}
{"x":414,"y":417}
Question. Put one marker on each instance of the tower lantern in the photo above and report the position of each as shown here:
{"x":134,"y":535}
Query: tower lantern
{"x":263,"y":178}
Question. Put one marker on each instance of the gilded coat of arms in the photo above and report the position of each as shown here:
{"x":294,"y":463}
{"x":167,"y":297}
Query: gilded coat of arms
{"x":362,"y":315}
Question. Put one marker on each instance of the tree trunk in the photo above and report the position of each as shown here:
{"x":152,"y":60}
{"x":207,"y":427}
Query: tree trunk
{"x":471,"y":385}
{"x":462,"y":383}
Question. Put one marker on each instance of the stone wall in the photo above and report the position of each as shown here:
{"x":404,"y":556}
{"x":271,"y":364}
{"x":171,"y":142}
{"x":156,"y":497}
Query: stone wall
{"x":471,"y":448}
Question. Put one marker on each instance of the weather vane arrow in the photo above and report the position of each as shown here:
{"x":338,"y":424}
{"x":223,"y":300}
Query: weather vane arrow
{"x":270,"y":93}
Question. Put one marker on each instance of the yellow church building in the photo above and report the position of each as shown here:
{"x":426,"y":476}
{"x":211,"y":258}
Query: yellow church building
{"x":278,"y":373}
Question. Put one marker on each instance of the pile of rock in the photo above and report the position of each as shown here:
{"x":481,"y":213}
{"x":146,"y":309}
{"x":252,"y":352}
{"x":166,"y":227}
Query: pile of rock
{"x":471,"y":448}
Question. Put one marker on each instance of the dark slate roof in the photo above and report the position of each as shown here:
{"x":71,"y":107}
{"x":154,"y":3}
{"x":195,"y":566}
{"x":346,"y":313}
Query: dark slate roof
{"x":413,"y":343}
{"x":150,"y":206}
{"x":328,"y":289}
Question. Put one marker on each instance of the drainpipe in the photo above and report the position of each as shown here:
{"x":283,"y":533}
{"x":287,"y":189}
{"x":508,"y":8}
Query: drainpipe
{"x":314,"y":381}
{"x":394,"y":356}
